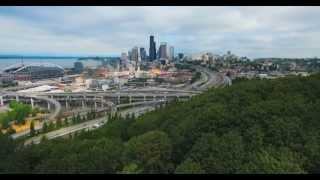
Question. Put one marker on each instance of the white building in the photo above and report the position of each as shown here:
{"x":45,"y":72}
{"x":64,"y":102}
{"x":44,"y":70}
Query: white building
{"x":90,"y":63}
{"x":43,"y":88}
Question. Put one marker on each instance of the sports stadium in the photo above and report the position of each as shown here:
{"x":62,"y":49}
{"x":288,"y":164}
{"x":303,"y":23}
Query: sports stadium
{"x":34,"y":71}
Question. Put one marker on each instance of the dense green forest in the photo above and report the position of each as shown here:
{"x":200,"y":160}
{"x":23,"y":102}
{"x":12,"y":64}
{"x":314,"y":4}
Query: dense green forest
{"x":253,"y":126}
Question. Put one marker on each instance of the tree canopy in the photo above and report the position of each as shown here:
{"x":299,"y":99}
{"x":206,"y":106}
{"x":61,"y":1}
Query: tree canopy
{"x":253,"y":126}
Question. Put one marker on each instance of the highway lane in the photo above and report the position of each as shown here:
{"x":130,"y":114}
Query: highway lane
{"x":116,"y":94}
{"x":210,"y":79}
{"x":39,"y":126}
{"x":203,"y":79}
{"x":88,"y":125}
{"x":65,"y":131}
{"x":83,"y":112}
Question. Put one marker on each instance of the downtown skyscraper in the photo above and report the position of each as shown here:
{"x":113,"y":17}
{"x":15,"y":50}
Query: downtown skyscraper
{"x":135,"y":57}
{"x":171,"y":53}
{"x":143,"y":54}
{"x":163,"y":51}
{"x":152,"y":49}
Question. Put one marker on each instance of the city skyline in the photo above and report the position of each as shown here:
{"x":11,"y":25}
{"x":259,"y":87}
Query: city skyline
{"x":246,"y":31}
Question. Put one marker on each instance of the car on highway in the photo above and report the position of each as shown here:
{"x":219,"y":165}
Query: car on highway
{"x":97,"y":125}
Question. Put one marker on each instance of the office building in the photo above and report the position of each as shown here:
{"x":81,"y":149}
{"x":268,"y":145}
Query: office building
{"x":129,"y":55}
{"x":158,"y":53}
{"x":163,"y":53}
{"x":134,"y":54}
{"x":124,"y":56}
{"x":180,"y":56}
{"x":78,"y":67}
{"x":152,"y":49}
{"x":143,"y":54}
{"x":123,"y":60}
{"x":135,"y":57}
{"x":171,"y":53}
{"x":90,"y":63}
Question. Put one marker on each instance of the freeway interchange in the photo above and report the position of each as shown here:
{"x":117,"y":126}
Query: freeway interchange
{"x":140,"y":101}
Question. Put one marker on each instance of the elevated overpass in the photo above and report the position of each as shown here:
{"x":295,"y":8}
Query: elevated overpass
{"x":32,"y":99}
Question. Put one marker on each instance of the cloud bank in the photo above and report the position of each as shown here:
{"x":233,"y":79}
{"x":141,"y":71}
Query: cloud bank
{"x":246,"y":31}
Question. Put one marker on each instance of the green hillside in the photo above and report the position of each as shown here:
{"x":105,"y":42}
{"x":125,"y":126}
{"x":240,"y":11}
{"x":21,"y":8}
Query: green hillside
{"x":254,"y":126}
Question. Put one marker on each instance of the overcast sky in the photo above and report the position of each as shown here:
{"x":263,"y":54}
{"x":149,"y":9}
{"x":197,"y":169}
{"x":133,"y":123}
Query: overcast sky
{"x":245,"y":31}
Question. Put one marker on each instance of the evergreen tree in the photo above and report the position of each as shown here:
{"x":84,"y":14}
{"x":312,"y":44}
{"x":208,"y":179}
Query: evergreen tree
{"x":32,"y":130}
{"x":74,"y":120}
{"x":45,"y":127}
{"x":66,"y":121}
{"x":132,"y":117}
{"x":94,"y":114}
{"x":51,"y":126}
{"x":78,"y":118}
{"x":88,"y":116}
{"x":58,"y":123}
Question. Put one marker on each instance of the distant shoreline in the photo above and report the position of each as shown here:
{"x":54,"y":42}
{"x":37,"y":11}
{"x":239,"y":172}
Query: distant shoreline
{"x":38,"y":57}
{"x":51,"y":57}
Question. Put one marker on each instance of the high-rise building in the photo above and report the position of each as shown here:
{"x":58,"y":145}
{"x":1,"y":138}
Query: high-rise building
{"x":152,"y":49}
{"x":78,"y":67}
{"x":158,"y":53}
{"x":180,"y":56}
{"x":123,"y":60}
{"x":143,"y":54}
{"x":124,"y":56}
{"x":171,"y":53}
{"x":163,"y":51}
{"x":135,"y":56}
{"x":129,"y":55}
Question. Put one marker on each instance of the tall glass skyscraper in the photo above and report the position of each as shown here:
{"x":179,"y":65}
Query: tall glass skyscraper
{"x":152,"y":49}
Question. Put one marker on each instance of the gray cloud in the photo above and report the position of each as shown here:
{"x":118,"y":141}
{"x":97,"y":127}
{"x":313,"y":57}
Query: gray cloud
{"x":247,"y":31}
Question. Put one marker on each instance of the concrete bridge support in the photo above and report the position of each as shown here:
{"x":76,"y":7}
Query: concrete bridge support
{"x":49,"y":106}
{"x":130,"y":99}
{"x":1,"y":101}
{"x":17,"y":98}
{"x":67,"y":104}
{"x":32,"y":102}
{"x":83,"y":104}
{"x":119,"y":100}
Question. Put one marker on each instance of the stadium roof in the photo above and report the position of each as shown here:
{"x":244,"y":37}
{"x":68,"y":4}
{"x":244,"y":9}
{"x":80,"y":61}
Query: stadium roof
{"x":18,"y":67}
